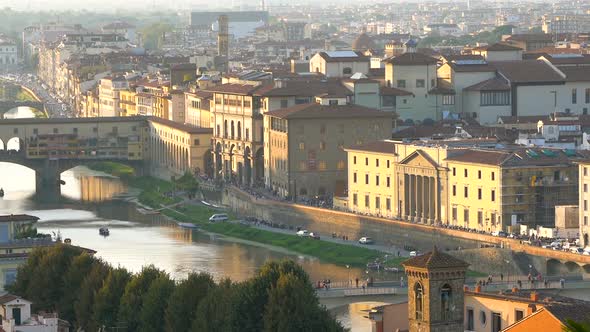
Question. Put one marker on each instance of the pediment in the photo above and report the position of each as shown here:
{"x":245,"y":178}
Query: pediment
{"x":419,"y":159}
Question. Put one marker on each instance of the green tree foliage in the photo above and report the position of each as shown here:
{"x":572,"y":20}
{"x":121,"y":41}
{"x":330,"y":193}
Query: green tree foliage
{"x":131,"y":302}
{"x":216,"y":312}
{"x":154,"y":303}
{"x":188,"y":183}
{"x":153,"y":34}
{"x":106,"y":301}
{"x":84,"y":304}
{"x":79,"y":269}
{"x":184,"y":301}
{"x":573,"y":326}
{"x":293,"y":307}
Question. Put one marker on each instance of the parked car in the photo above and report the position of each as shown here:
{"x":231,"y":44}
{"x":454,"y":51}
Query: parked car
{"x":499,"y":233}
{"x":218,"y":217}
{"x":413,"y":253}
{"x":303,"y":233}
{"x":314,"y":236}
{"x":366,"y":240}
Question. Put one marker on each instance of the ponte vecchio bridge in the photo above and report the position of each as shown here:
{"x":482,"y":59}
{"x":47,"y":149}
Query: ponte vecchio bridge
{"x":51,"y":146}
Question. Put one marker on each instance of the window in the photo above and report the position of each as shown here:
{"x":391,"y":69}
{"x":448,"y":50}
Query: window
{"x":479,"y":217}
{"x":388,"y":204}
{"x":448,"y":99}
{"x":354,"y":177}
{"x":35,"y":131}
{"x":585,"y":220}
{"x":494,"y":98}
{"x":420,"y":83}
{"x":470,"y":320}
{"x":366,"y":178}
{"x":493,"y":194}
{"x":377,"y":202}
{"x":585,"y":171}
{"x":367,"y":201}
{"x":366,"y":161}
{"x":418,"y":300}
{"x":496,"y":322}
{"x":574,"y":96}
{"x":354,"y":160}
{"x":587,"y":93}
{"x":377,"y":162}
{"x":377,"y":180}
{"x":284,"y":103}
{"x":388,"y":164}
{"x":401,"y":83}
{"x":347,"y":71}
{"x":454,"y":213}
{"x":466,"y":192}
{"x":247,"y":134}
{"x":466,"y":216}
{"x":518,"y":315}
{"x":585,"y":187}
{"x":322,"y":165}
{"x":341,"y":165}
{"x":55,"y":131}
{"x":322,"y":146}
{"x":483,"y":318}
{"x":303,"y":165}
{"x":94,"y":129}
{"x":388,"y":182}
{"x":445,"y":301}
{"x":585,"y":205}
{"x":479,"y":174}
{"x":454,"y":190}
{"x":355,"y":199}
{"x":466,"y":172}
{"x":301,"y":146}
{"x":333,"y":102}
{"x":479,"y":193}
{"x":197,"y":141}
{"x":493,"y":176}
{"x":454,"y":171}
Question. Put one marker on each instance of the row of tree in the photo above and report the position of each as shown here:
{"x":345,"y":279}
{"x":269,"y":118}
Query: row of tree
{"x":94,"y":296}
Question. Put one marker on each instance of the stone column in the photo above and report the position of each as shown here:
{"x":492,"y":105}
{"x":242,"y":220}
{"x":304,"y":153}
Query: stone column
{"x":427,"y":189}
{"x":419,"y":198}
{"x":432,"y":199}
{"x":412,"y":196}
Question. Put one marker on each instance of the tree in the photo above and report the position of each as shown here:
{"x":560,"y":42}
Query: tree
{"x":131,"y":302}
{"x":78,"y":271}
{"x":153,"y":34}
{"x":154,"y":304}
{"x":185,"y":299}
{"x":84,"y":304}
{"x":573,"y":326}
{"x":293,"y":307}
{"x":216,"y":311}
{"x":106,"y":301}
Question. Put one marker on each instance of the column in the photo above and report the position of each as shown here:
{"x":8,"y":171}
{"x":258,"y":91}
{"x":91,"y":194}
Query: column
{"x":427,"y":200}
{"x":433,"y":215}
{"x":411,"y":197}
{"x":405,"y":203}
{"x":419,"y":198}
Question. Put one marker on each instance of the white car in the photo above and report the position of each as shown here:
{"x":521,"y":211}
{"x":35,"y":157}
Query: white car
{"x":303,"y":232}
{"x":218,"y":217}
{"x":413,"y":253}
{"x":365,"y":240}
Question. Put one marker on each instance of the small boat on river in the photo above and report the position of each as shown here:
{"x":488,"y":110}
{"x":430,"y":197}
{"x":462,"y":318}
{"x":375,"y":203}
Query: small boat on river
{"x":104,"y":231}
{"x":187,"y":225}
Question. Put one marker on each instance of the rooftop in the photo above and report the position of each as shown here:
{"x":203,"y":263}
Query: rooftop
{"x":181,"y":126}
{"x":493,"y":84}
{"x":313,"y":111}
{"x":18,"y":217}
{"x":343,"y":56}
{"x":376,"y":146}
{"x":527,"y":71}
{"x":411,"y":59}
{"x":434,"y":260}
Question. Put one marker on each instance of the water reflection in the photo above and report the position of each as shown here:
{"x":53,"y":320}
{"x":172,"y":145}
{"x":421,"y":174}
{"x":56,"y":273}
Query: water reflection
{"x":84,"y":185}
{"x":21,"y":112}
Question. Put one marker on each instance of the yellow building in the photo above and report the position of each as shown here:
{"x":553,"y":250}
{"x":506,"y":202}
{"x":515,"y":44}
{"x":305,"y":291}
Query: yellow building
{"x":500,"y":189}
{"x":583,"y":203}
{"x":197,"y":108}
{"x":127,"y":103}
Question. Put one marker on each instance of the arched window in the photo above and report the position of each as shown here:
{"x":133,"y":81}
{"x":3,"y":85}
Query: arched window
{"x":225,"y":129}
{"x":239,"y":130}
{"x":233,"y":131}
{"x":418,"y":300}
{"x":445,"y":301}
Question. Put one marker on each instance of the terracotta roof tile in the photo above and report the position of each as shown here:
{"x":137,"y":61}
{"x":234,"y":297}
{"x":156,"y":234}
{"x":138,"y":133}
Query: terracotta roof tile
{"x":493,"y":84}
{"x":527,"y":71}
{"x":411,"y":59}
{"x":434,"y":260}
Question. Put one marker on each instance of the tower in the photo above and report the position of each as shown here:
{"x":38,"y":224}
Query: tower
{"x":223,"y":41}
{"x":435,"y":292}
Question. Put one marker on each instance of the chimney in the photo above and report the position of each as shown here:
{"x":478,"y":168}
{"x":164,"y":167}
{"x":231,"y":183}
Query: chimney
{"x":531,"y":309}
{"x":534,"y":296}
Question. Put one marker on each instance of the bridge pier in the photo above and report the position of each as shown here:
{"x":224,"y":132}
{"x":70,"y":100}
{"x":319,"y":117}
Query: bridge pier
{"x":48,"y":178}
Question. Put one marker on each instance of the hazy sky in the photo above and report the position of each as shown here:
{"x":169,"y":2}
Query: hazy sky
{"x":111,"y":5}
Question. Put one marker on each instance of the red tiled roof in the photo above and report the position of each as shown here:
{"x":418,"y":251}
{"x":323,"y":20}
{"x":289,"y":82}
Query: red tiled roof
{"x":493,"y":84}
{"x":434,"y":260}
{"x":411,"y":59}
{"x":18,"y":217}
{"x":375,"y":146}
{"x":307,"y":88}
{"x":181,"y":126}
{"x":233,"y":88}
{"x":576,"y":73}
{"x":527,"y":71}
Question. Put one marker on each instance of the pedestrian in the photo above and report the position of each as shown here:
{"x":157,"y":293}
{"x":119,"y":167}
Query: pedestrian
{"x":519,"y":284}
{"x":401,"y":281}
{"x":545,"y":282}
{"x":357,"y":282}
{"x":398,"y":253}
{"x":562,"y":282}
{"x":501,"y":276}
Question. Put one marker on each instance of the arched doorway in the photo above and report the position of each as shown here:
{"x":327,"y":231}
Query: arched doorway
{"x":14,"y":144}
{"x":209,"y":164}
{"x":230,"y":174}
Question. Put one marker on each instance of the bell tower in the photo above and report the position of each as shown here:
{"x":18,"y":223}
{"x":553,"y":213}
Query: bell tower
{"x":435,"y":292}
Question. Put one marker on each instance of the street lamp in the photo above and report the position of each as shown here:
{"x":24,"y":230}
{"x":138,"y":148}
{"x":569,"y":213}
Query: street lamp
{"x":348,"y":270}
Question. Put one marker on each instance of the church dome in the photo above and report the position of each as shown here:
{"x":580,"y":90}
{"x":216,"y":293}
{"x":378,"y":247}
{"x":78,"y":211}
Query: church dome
{"x":362,"y":43}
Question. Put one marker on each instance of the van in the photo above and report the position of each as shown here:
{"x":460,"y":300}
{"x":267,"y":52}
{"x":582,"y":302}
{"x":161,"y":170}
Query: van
{"x":218,"y":217}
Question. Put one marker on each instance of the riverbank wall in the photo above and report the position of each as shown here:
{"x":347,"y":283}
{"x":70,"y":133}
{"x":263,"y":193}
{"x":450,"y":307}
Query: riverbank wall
{"x":405,"y":234}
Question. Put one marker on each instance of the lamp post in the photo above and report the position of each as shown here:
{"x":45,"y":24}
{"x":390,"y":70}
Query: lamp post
{"x":348,"y":272}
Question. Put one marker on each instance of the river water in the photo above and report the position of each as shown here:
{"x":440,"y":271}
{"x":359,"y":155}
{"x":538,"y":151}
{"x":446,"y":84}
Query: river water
{"x":136,"y":239}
